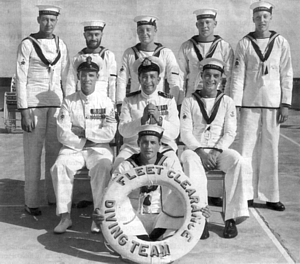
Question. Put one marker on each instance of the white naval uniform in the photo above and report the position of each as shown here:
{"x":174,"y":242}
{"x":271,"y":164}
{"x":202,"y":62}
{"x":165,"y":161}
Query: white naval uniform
{"x":171,"y":202}
{"x":39,"y":89}
{"x":259,"y":88}
{"x":222,"y":131}
{"x":171,"y":72}
{"x":189,"y":62}
{"x":85,"y":112}
{"x":130,"y":123}
{"x":106,"y":82}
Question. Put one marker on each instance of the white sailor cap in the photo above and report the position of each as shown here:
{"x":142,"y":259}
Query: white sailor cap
{"x":147,"y":64}
{"x":205,"y":13}
{"x":262,"y":6}
{"x":145,"y":20}
{"x":48,"y":10}
{"x":88,"y":62}
{"x":94,"y":25}
{"x":151,"y":130}
{"x":212,"y":63}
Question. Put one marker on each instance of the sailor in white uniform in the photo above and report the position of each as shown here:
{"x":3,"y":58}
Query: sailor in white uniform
{"x":152,"y":225}
{"x":262,"y":81}
{"x":85,"y":126}
{"x":106,"y":84}
{"x":208,"y":128}
{"x":148,"y":105}
{"x":42,"y":66}
{"x":146,"y":31}
{"x":202,"y":46}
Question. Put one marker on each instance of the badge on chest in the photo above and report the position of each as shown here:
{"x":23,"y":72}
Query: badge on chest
{"x":97,"y":113}
{"x":163,"y":109}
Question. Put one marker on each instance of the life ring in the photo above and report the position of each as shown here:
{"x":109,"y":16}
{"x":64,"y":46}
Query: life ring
{"x":141,"y":251}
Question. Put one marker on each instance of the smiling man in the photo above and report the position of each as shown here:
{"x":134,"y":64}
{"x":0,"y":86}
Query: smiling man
{"x":201,"y":46}
{"x":262,"y":82}
{"x":85,"y":126}
{"x":148,"y":105}
{"x":42,"y":65}
{"x":208,"y":128}
{"x":106,"y":82}
{"x":146,"y":31}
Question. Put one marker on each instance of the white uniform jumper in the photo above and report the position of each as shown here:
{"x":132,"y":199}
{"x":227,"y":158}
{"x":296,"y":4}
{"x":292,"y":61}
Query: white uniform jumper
{"x":169,"y":215}
{"x":106,"y":83}
{"x":262,"y":80}
{"x":95,"y":114}
{"x":42,"y":66}
{"x":216,"y":131}
{"x":192,"y":52}
{"x":171,"y":71}
{"x":130,"y":122}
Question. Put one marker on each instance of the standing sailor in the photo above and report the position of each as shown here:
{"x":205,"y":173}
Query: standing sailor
{"x":42,"y":65}
{"x":146,"y":31}
{"x":106,"y":84}
{"x":202,"y":46}
{"x":262,"y":81}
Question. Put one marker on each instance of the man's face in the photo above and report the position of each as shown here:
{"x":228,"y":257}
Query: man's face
{"x":149,"y":146}
{"x":262,"y":20}
{"x":88,"y":81}
{"x":146,"y":33}
{"x":211,"y":79}
{"x":206,"y":27}
{"x":149,"y":81}
{"x":93,"y":38}
{"x":47,"y":23}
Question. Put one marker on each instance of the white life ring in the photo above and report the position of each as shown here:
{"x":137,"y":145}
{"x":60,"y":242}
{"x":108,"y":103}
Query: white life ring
{"x":141,"y":251}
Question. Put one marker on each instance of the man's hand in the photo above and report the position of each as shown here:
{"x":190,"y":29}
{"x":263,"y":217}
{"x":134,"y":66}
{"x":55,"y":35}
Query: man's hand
{"x":208,"y":160}
{"x":153,"y":113}
{"x":119,"y":107}
{"x":27,"y":121}
{"x":150,"y":112}
{"x":238,"y":113}
{"x":283,"y":114}
{"x":78,"y":131}
{"x":214,"y":155}
{"x":205,"y":212}
{"x":97,"y":217}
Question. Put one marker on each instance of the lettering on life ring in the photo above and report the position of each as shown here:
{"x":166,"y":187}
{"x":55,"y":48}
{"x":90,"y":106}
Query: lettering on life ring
{"x":141,"y":251}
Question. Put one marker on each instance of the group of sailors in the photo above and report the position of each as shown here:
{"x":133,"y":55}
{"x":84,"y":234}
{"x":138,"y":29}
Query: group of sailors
{"x":69,"y":107}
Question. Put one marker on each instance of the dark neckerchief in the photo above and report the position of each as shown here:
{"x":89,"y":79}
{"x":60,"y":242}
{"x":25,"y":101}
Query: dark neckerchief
{"x":215,"y":109}
{"x":137,"y":50}
{"x":134,"y":160}
{"x":263,"y":56}
{"x":211,"y":50}
{"x":39,"y":51}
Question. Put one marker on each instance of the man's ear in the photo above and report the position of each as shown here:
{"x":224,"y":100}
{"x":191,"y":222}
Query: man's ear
{"x":158,"y":78}
{"x":216,"y":23}
{"x":139,"y":78}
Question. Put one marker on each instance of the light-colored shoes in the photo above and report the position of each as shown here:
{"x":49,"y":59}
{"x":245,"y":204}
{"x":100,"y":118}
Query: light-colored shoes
{"x":94,"y":228}
{"x":63,"y":226}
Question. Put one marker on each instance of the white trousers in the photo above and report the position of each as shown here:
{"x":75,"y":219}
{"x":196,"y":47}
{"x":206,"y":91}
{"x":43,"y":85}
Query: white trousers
{"x":258,"y":144}
{"x":33,"y":142}
{"x":236,"y":181}
{"x":68,"y":162}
